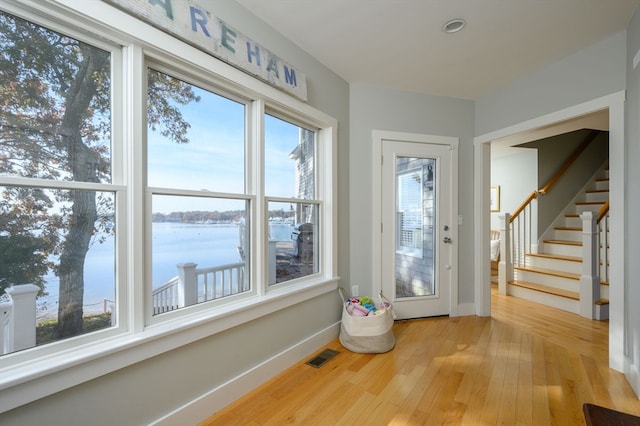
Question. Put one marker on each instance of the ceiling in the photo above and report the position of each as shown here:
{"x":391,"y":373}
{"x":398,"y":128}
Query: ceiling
{"x":400,"y":44}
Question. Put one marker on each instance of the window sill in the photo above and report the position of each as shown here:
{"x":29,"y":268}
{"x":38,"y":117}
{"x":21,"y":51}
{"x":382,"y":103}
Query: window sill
{"x":28,"y":381}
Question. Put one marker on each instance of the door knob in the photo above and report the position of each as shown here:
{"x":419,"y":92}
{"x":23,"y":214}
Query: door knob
{"x":446,"y":240}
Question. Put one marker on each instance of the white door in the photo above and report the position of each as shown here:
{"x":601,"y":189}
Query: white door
{"x":417,"y":222}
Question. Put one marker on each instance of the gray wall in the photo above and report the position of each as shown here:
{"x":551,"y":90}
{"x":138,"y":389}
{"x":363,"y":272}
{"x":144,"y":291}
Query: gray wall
{"x":593,"y":72}
{"x":553,"y":152}
{"x":632,"y":196}
{"x":375,"y":108}
{"x":145,"y":391}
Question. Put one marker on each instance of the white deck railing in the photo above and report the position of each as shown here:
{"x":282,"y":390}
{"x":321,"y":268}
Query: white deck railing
{"x":18,"y":318}
{"x":194,"y":285}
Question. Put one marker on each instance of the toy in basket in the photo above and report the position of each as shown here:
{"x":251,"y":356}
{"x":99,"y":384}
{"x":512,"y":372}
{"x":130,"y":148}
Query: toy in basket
{"x":367,"y":327}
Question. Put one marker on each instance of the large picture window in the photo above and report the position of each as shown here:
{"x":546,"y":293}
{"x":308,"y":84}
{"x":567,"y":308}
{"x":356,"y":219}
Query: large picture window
{"x":146,"y":190}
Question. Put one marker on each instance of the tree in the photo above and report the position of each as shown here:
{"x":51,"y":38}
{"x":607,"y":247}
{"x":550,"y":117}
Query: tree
{"x":55,"y":124}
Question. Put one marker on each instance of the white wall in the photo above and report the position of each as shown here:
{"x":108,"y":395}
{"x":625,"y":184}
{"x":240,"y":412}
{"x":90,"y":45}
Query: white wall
{"x":632,"y":196}
{"x":517,"y":174}
{"x":375,"y":108}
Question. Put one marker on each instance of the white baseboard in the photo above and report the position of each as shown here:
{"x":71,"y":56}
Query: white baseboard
{"x":633,"y":375}
{"x":223,"y":395}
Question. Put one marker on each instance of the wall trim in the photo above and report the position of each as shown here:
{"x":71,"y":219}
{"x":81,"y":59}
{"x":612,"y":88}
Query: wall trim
{"x":219,"y":397}
{"x":632,"y":374}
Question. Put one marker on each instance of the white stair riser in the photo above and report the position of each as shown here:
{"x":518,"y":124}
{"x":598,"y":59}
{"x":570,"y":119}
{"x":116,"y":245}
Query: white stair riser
{"x":563,"y":250}
{"x":597,"y":196}
{"x":557,"y":302}
{"x":580,"y":208}
{"x":567,"y":235}
{"x":604,"y":292}
{"x":548,"y":280}
{"x":555,"y":264}
{"x":573,"y":222}
{"x":602,"y":184}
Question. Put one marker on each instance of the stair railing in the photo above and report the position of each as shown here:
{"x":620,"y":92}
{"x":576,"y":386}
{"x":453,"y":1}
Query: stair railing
{"x":519,"y":223}
{"x":603,"y":241}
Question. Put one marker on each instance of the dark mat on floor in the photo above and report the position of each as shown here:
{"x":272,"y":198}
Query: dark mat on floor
{"x":595,"y":415}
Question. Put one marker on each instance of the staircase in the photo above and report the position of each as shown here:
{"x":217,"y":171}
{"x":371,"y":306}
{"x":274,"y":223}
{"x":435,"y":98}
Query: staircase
{"x":552,"y":276}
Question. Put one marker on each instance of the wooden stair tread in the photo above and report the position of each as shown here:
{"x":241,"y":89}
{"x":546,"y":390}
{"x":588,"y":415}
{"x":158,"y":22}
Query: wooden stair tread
{"x":601,"y":302}
{"x":556,"y":256}
{"x":551,"y":272}
{"x":546,"y":289}
{"x":565,"y":242}
{"x":592,"y":191}
{"x":589,"y":203}
{"x":567,"y":228}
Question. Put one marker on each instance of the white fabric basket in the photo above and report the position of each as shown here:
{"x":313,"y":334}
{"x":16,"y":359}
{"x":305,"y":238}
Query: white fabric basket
{"x":370,"y":334}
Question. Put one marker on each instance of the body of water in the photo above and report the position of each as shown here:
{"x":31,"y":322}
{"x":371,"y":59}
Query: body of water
{"x":207,"y":245}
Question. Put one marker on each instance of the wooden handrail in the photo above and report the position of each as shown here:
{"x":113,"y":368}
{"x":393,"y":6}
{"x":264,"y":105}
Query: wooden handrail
{"x":603,"y":211}
{"x":569,"y":162}
{"x":525,"y":203}
{"x":557,"y":176}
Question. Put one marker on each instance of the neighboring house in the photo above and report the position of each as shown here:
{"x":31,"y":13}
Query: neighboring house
{"x":206,"y":368}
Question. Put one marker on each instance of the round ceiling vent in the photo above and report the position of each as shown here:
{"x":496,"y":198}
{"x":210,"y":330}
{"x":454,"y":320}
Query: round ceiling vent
{"x":454,"y":25}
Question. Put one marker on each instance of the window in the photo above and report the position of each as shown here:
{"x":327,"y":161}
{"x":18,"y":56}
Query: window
{"x":58,"y":207}
{"x":200,"y":242}
{"x":143,"y":194}
{"x":290,"y":177}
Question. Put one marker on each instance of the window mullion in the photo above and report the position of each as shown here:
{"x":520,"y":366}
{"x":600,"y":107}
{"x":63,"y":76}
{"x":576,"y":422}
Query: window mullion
{"x":255,"y":181}
{"x":132,"y":301}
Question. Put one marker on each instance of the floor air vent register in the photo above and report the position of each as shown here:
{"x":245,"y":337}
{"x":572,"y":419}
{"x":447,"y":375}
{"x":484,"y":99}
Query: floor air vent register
{"x":321,"y":359}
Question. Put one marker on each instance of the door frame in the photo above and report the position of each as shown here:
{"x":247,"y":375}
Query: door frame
{"x":614,"y":104}
{"x":376,"y":200}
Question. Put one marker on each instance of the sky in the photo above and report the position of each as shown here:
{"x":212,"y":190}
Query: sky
{"x":213,"y":160}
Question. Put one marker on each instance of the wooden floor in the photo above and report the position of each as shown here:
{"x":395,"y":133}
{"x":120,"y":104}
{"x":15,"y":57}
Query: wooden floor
{"x":528,"y":365}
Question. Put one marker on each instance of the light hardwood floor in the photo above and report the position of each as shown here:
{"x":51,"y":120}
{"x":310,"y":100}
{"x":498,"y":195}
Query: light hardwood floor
{"x":527,"y":364}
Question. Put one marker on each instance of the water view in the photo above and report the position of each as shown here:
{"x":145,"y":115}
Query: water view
{"x":173,"y":243}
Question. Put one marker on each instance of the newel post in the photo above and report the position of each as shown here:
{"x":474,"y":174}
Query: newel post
{"x":188,"y":284}
{"x":23,"y":315}
{"x":505,"y":266}
{"x":589,"y":280}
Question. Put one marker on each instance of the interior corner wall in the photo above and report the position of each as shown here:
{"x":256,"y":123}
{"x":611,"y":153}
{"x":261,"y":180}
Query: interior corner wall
{"x":600,"y":70}
{"x":632,"y":196}
{"x":375,"y":108}
{"x":143,"y":392}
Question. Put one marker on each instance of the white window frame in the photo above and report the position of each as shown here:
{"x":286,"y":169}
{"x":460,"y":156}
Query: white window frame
{"x":402,"y":249}
{"x":32,"y":374}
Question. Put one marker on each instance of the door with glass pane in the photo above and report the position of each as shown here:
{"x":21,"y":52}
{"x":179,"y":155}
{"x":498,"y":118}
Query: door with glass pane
{"x":416,"y":227}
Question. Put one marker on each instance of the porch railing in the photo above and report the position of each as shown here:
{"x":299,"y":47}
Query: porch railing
{"x":18,"y":318}
{"x":194,"y":285}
